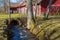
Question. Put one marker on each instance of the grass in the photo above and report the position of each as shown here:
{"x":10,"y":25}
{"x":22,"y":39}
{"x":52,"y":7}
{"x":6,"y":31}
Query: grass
{"x":50,"y":26}
{"x":39,"y":30}
{"x":5,"y":16}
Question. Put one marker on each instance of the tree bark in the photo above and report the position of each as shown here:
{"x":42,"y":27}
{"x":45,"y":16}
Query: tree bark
{"x":6,"y":4}
{"x":30,"y":13}
{"x":35,"y":10}
{"x":48,"y":8}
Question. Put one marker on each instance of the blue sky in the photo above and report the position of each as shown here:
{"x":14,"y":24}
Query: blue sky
{"x":15,"y":0}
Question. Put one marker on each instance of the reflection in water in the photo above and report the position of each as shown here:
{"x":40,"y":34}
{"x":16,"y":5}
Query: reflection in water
{"x":23,"y":34}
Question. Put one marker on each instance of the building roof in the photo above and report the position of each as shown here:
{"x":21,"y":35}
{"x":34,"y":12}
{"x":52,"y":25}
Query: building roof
{"x":43,"y":4}
{"x":20,"y":4}
{"x":57,"y":3}
{"x":14,"y":4}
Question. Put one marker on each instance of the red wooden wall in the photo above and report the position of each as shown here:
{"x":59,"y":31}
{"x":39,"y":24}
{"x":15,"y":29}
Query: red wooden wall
{"x":55,"y":6}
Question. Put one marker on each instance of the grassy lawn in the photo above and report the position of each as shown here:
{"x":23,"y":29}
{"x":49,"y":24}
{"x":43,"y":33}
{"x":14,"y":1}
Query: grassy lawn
{"x":5,"y":16}
{"x":51,"y":27}
{"x":53,"y":24}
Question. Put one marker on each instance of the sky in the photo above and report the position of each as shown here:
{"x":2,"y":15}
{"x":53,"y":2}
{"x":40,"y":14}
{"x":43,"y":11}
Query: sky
{"x":15,"y":1}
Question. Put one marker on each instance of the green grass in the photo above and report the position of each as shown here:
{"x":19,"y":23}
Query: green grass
{"x":51,"y":26}
{"x":43,"y":25}
{"x":5,"y":16}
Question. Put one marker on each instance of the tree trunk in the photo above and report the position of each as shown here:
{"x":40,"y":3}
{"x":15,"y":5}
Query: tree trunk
{"x":35,"y":10}
{"x":48,"y":8}
{"x":30,"y":13}
{"x":6,"y":8}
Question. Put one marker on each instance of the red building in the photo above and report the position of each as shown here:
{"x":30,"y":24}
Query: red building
{"x":21,"y":7}
{"x":54,"y":9}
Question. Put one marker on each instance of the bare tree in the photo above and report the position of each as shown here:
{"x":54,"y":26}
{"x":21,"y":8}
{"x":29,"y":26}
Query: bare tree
{"x":48,"y":8}
{"x":30,"y":12}
{"x":6,"y":6}
{"x":34,"y":2}
{"x":31,"y":15}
